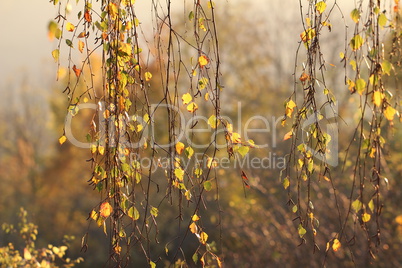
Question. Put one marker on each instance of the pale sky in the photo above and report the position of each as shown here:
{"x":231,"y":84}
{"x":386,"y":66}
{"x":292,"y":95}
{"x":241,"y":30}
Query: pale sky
{"x":25,"y":50}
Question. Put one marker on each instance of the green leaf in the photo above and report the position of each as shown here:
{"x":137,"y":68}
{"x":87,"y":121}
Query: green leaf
{"x":360,"y":85}
{"x":356,"y":42}
{"x":195,"y":258}
{"x":189,"y":152}
{"x":382,"y":20}
{"x":207,"y":186}
{"x":386,"y":67}
{"x":243,"y":150}
{"x":355,"y":15}
{"x":133,"y":213}
{"x":191,"y":16}
{"x":301,"y":231}
{"x":69,"y":43}
{"x":357,"y":205}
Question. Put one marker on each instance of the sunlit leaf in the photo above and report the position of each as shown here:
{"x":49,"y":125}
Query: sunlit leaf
{"x":203,"y":238}
{"x":307,"y":35}
{"x":189,"y":152}
{"x":377,"y":98}
{"x":154,"y":211}
{"x":389,"y":113}
{"x":70,"y":27}
{"x":101,"y":149}
{"x":152,"y":264}
{"x":211,"y":163}
{"x":179,"y":147}
{"x":286,"y":183}
{"x":290,"y":105}
{"x":192,"y":107}
{"x":294,"y":209}
{"x":213,"y":121}
{"x":371,"y":205}
{"x":355,"y":15}
{"x":198,"y":172}
{"x":193,"y":228}
{"x":186,"y":98}
{"x":133,"y":213}
{"x":360,"y":85}
{"x":357,"y":205}
{"x":179,"y":173}
{"x":243,"y":150}
{"x":56,"y":54}
{"x":195,"y":217}
{"x":203,"y":60}
{"x":207,"y":186}
{"x":148,"y":76}
{"x":62,"y":139}
{"x":236,"y":138}
{"x":321,"y":6}
{"x":288,"y":135}
{"x":76,"y":71}
{"x":356,"y":42}
{"x":81,"y":45}
{"x":301,"y":231}
{"x":382,"y":20}
{"x":105,"y":209}
{"x":336,"y":245}
{"x":87,"y":16}
{"x":366,"y":217}
{"x":386,"y":67}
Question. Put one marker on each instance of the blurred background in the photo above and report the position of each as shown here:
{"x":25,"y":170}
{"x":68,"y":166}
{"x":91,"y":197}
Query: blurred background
{"x":258,"y":41}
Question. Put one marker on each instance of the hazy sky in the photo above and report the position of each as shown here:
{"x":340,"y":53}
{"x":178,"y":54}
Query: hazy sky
{"x":24,"y":46}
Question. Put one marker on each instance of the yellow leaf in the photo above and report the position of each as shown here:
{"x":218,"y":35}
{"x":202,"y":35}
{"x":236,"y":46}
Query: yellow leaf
{"x":236,"y":137}
{"x":27,"y":254}
{"x":286,"y":183}
{"x":101,"y":150}
{"x":192,"y":107}
{"x":81,"y":45}
{"x":148,"y":76}
{"x":290,"y":105}
{"x":186,"y":98}
{"x":212,"y":121}
{"x":56,"y":54}
{"x":203,"y":238}
{"x":152,"y":264}
{"x":179,"y":147}
{"x":70,"y":27}
{"x":336,"y":245}
{"x":389,"y":113}
{"x":203,"y":60}
{"x":105,"y":209}
{"x":366,"y":217}
{"x":179,"y":173}
{"x":211,"y":163}
{"x":193,"y":228}
{"x":377,"y":98}
{"x":62,"y":139}
{"x":195,"y":217}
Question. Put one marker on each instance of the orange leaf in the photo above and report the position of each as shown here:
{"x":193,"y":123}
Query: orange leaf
{"x":288,"y":135}
{"x":87,"y":16}
{"x":179,"y":147}
{"x":105,"y":209}
{"x":81,"y":35}
{"x":193,"y":228}
{"x":76,"y":71}
{"x":303,"y":77}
